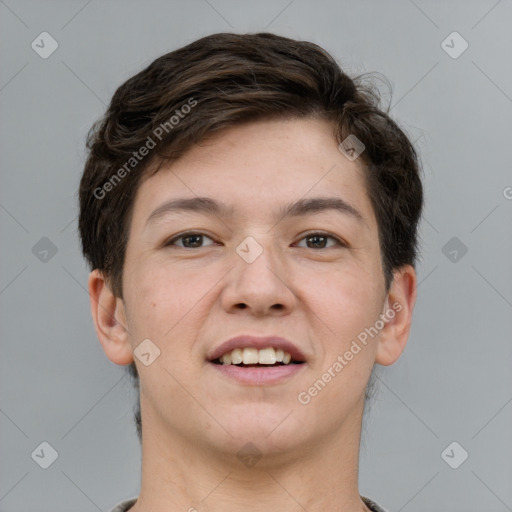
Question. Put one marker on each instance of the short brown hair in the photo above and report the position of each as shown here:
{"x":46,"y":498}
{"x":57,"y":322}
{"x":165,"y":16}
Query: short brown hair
{"x":220,"y":81}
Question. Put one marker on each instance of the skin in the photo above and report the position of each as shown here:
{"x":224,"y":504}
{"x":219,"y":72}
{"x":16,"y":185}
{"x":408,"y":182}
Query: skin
{"x":188,"y":300}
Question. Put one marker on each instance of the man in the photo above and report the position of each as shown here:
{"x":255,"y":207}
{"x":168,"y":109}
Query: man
{"x":249,"y":215}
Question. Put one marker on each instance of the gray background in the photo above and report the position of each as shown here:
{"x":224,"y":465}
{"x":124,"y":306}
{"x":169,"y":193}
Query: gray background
{"x":454,"y":381}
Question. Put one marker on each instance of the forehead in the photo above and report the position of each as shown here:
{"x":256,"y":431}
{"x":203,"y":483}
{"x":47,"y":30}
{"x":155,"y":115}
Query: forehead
{"x":257,"y":170}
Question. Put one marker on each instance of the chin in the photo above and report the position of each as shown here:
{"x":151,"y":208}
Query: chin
{"x":270,"y":428}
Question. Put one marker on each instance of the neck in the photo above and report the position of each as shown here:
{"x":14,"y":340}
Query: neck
{"x":178,"y":475}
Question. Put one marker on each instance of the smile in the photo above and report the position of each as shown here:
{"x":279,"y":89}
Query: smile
{"x":252,"y":357}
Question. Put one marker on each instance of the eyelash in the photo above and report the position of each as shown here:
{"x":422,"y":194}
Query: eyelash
{"x":170,"y":242}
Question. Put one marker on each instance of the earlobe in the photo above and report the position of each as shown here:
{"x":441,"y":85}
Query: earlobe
{"x":398,"y":312}
{"x":109,"y":318}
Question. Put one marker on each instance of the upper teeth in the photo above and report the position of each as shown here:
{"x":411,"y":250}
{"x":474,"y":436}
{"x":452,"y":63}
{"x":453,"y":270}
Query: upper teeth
{"x":255,"y":356}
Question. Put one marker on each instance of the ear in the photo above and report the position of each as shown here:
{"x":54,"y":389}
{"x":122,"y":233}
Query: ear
{"x":109,"y":318}
{"x":398,"y":313}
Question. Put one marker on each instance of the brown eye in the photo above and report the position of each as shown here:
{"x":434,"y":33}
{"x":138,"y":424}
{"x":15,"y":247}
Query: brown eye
{"x":320,"y":240}
{"x":189,"y":240}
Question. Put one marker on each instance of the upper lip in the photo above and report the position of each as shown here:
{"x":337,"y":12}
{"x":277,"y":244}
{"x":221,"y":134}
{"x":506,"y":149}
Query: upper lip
{"x":248,"y":341}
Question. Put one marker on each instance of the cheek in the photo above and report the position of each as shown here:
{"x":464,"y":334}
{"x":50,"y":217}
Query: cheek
{"x":346,"y":302}
{"x":162,"y":297}
{"x":162,"y":310}
{"x":355,"y":284}
{"x":152,"y":301}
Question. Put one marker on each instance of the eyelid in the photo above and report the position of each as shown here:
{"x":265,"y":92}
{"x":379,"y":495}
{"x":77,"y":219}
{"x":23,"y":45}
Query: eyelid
{"x":170,"y":241}
{"x":174,"y":238}
{"x":340,"y":241}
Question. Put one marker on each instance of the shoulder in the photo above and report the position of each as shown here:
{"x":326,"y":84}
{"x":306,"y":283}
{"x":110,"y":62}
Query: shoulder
{"x":371,"y":505}
{"x":125,"y":505}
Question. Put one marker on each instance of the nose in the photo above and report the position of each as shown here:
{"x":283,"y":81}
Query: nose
{"x":260,"y":287}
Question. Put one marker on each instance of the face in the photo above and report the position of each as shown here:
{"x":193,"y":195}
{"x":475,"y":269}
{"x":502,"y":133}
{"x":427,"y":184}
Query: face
{"x":256,"y":266}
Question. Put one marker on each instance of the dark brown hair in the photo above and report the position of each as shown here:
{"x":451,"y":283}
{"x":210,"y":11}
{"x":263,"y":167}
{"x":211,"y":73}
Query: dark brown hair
{"x":220,"y":81}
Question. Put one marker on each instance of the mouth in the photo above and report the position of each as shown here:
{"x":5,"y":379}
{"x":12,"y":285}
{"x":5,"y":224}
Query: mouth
{"x":250,"y":357}
{"x":257,"y":361}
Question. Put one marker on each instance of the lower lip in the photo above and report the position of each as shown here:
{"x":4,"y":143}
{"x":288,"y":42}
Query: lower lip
{"x":258,"y":376}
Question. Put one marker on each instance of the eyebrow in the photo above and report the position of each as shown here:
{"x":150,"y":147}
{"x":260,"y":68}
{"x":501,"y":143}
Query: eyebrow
{"x":299,"y":208}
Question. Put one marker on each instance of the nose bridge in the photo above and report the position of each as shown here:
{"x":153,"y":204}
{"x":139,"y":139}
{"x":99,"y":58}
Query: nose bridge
{"x":259,"y":278}
{"x":259,"y":258}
